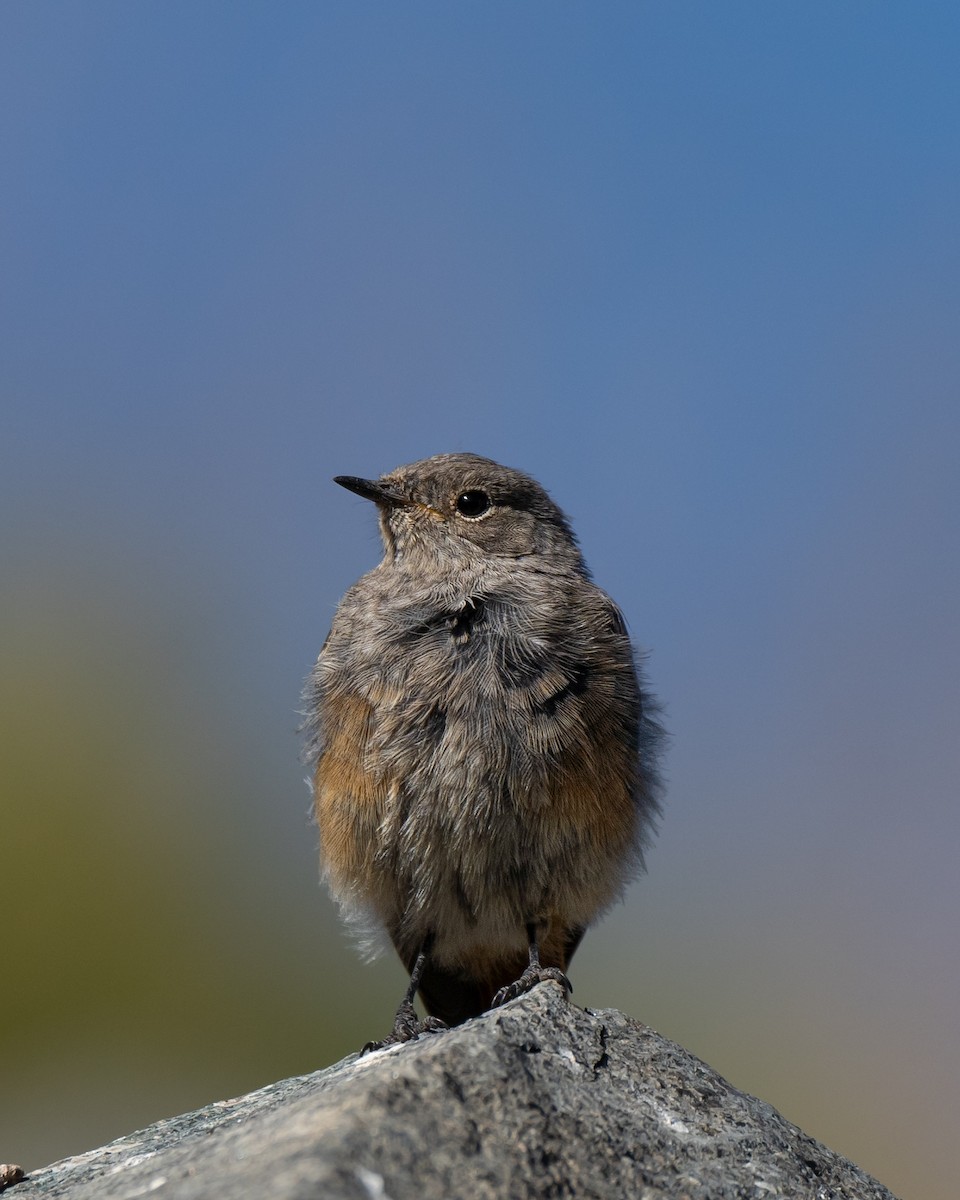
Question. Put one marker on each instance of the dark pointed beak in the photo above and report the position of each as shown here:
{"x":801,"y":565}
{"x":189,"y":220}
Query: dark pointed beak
{"x":370,"y":489}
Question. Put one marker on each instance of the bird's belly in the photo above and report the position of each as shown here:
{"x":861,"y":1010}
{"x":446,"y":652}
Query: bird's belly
{"x":481,"y":789}
{"x":478,"y":849}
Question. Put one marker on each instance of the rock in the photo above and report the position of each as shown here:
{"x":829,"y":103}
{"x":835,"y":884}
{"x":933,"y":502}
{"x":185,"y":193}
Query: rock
{"x":10,"y":1174}
{"x":539,"y":1098}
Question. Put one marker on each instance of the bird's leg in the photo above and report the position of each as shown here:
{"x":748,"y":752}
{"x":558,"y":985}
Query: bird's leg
{"x":533,"y":974}
{"x":407,"y":1026}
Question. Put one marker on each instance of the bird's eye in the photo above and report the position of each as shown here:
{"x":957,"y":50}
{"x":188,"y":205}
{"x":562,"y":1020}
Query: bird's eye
{"x":473,"y":503}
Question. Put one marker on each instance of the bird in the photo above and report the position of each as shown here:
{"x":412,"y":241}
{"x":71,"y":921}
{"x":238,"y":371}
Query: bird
{"x":484,"y":749}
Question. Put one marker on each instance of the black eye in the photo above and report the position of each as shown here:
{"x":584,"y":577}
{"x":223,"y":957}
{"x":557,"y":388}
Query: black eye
{"x":472,"y":504}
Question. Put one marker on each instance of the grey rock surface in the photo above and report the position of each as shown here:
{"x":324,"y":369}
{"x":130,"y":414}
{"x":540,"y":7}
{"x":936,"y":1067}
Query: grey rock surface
{"x":539,"y":1098}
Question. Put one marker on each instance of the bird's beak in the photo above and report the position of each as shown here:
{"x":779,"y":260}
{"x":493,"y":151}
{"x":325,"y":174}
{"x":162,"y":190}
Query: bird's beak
{"x":371,"y":489}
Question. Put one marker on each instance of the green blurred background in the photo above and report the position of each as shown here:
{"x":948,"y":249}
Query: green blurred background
{"x":693,"y":266}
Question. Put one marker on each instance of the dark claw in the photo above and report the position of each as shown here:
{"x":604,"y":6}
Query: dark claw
{"x":529,"y":980}
{"x":406,"y":1028}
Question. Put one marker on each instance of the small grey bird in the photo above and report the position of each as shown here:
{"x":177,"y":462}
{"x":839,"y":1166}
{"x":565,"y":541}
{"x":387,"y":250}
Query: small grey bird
{"x":485,"y":758}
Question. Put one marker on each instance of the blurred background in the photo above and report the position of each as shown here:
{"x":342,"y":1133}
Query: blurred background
{"x":693,"y":266}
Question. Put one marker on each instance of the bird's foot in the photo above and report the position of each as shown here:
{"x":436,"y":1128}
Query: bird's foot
{"x":407,"y":1027}
{"x":528,"y":980}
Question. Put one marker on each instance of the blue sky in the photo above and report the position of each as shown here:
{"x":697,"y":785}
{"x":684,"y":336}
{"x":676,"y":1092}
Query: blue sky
{"x":693,"y":266}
